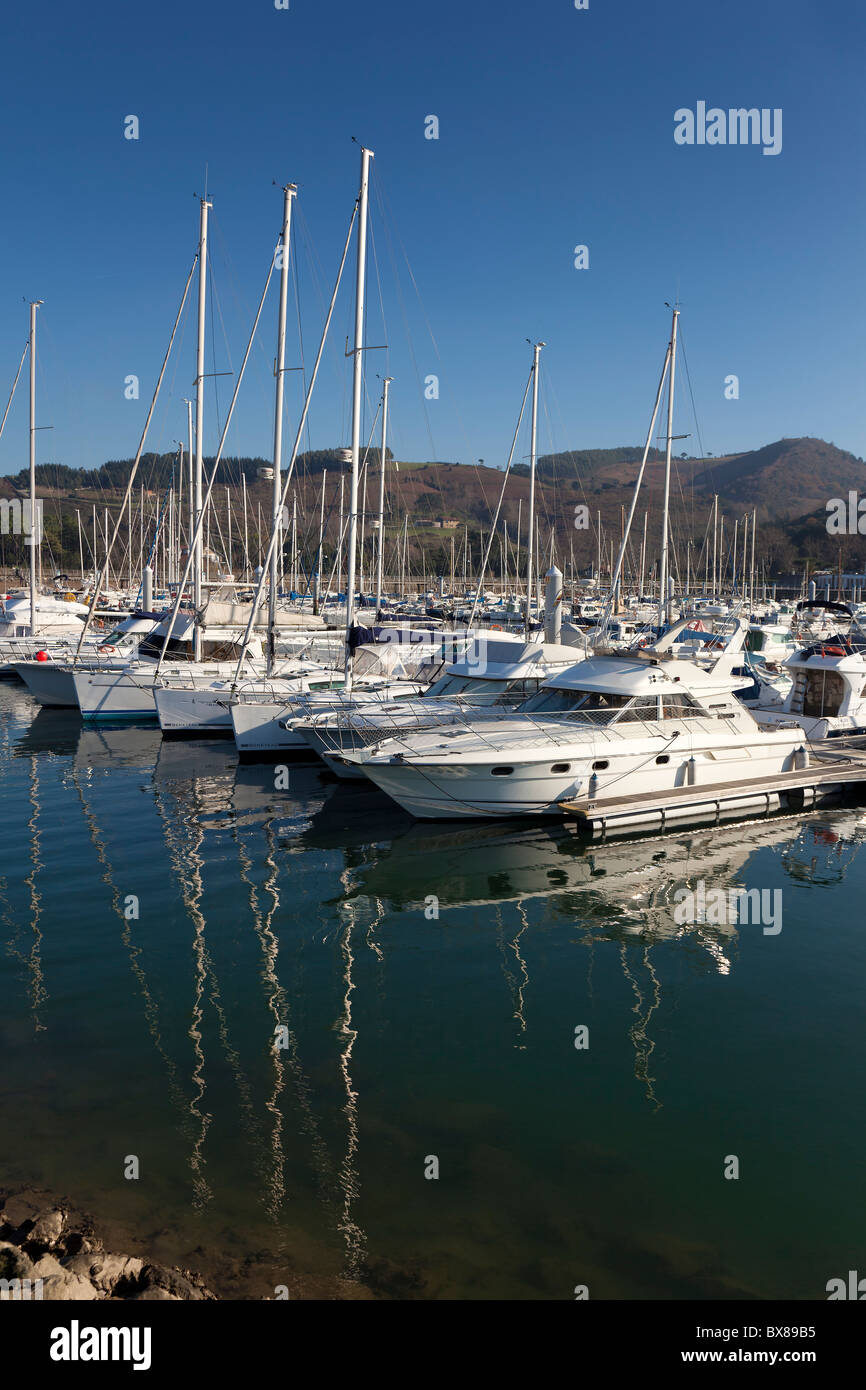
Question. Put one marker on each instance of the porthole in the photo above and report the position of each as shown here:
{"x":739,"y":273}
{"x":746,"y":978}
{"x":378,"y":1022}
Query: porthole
{"x":561,"y":767}
{"x":663,"y":758}
{"x":600,"y":766}
{"x":501,"y":771}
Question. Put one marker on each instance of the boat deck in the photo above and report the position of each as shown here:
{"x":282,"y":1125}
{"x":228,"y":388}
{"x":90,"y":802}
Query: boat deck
{"x":833,"y":771}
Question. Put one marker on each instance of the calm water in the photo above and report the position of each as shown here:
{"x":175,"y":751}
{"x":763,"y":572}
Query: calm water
{"x":410,"y":1036}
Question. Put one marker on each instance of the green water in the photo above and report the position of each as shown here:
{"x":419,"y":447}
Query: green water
{"x":411,"y":1036}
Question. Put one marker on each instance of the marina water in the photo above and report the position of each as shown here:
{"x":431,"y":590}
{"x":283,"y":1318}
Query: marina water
{"x":356,"y":1056}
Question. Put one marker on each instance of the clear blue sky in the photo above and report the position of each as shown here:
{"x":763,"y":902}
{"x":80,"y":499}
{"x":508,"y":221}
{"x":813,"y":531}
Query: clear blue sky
{"x":556,"y":129}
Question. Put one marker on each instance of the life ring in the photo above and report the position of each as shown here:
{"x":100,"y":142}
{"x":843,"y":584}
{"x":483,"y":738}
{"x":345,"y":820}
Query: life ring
{"x":106,"y":648}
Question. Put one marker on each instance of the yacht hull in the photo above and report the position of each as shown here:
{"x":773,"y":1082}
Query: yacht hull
{"x":257,"y":731}
{"x":49,"y":684}
{"x":118,"y":696}
{"x":451,"y":790}
{"x":189,"y":712}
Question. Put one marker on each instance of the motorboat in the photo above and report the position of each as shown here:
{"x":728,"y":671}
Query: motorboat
{"x":616,"y":725}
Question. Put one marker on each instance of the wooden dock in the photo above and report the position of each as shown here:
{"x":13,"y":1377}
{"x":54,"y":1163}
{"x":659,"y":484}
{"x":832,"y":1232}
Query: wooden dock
{"x":835,"y":771}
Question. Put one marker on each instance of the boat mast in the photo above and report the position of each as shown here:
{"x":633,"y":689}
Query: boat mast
{"x":357,"y":383}
{"x":318,"y":575}
{"x":35,"y":530}
{"x":380,"y":553}
{"x":536,"y":352}
{"x":664,"y":600}
{"x":289,"y":192}
{"x":199,"y":424}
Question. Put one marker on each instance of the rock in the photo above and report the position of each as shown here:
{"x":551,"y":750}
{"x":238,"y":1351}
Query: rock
{"x":75,"y":1243}
{"x":42,"y":1237}
{"x":175,"y":1283}
{"x":48,"y":1227}
{"x":45,"y":1266}
{"x":107,"y":1271}
{"x":62,"y":1287}
{"x":14,"y":1264}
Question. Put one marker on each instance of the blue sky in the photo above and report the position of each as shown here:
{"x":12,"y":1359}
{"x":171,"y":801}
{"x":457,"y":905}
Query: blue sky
{"x":556,"y":129}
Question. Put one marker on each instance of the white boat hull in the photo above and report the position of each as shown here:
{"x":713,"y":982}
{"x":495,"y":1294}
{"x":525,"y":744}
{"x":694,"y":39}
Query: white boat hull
{"x":204,"y":711}
{"x":453,"y":790}
{"x":256,"y":729}
{"x":129,"y":694}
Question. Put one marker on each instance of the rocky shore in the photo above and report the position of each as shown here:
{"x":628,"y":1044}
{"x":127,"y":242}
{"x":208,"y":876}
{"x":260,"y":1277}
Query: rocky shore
{"x":43,"y":1239}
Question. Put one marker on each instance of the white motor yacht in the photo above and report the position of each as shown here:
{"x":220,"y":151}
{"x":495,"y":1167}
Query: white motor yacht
{"x":827,"y":696}
{"x":497,"y":673}
{"x":616,"y":725}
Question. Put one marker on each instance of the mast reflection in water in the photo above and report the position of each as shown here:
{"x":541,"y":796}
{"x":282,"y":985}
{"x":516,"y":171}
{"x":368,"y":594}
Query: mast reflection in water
{"x":285,"y":1003}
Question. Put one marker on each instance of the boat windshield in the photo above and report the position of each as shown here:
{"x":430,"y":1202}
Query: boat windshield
{"x":118,"y":637}
{"x":561,"y":701}
{"x":463,"y":685}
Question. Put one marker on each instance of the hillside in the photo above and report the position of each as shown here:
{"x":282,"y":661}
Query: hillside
{"x":788,"y":483}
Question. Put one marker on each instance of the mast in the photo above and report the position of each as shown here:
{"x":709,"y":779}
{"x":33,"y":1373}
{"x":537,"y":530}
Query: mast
{"x":533,"y":434}
{"x":664,"y":601}
{"x":34,"y":530}
{"x":246,"y":532}
{"x":642,"y":560}
{"x":357,"y":383}
{"x":318,"y":577}
{"x":715,"y":538}
{"x":380,"y":554}
{"x":340,"y":540}
{"x":190,"y":473}
{"x":199,"y":424}
{"x":598,"y":551}
{"x":289,"y":192}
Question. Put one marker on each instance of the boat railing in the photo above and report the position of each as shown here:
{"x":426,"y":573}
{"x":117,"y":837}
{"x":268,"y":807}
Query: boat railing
{"x":499,"y":728}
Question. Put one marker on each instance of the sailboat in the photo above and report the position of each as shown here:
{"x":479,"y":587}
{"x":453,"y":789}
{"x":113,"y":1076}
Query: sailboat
{"x":29,"y":619}
{"x":259,"y":709}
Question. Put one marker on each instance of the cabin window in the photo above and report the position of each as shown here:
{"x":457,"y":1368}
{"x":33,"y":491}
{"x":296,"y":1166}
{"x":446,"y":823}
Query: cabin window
{"x":663,"y":758}
{"x":561,"y":767}
{"x":645,"y":707}
{"x":680,"y":706}
{"x":152,"y":646}
{"x":600,"y":765}
{"x":825,"y":691}
{"x":501,"y":771}
{"x":600,"y":706}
